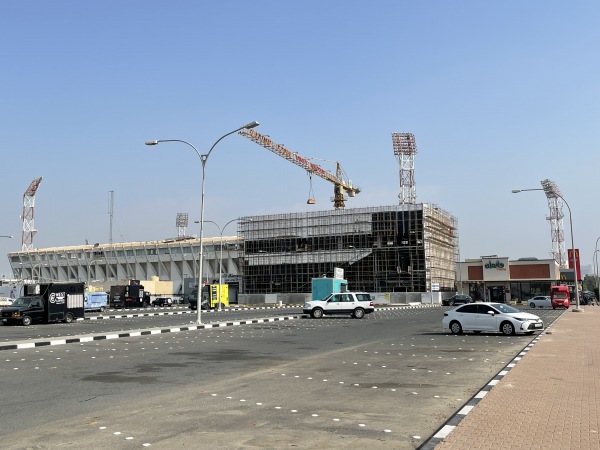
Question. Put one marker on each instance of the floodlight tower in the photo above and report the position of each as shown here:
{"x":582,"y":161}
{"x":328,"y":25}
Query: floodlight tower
{"x":555,"y":203}
{"x":27,"y":216}
{"x":181,"y":222}
{"x":405,"y":149}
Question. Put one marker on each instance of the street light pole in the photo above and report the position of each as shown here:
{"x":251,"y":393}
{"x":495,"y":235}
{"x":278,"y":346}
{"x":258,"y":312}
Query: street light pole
{"x":597,"y":269}
{"x":573,"y":258}
{"x":203,"y":160}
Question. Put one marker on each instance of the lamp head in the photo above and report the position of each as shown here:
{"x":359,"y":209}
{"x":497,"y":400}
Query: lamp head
{"x":516,"y":191}
{"x":252,"y":124}
{"x":151,"y":142}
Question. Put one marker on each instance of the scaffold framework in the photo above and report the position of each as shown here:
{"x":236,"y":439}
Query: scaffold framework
{"x":403,"y":248}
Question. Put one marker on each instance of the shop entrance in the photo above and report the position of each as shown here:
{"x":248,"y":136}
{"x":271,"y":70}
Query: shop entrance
{"x":496,"y":294}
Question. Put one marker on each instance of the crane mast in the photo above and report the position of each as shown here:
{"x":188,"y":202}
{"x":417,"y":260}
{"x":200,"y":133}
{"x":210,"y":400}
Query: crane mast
{"x":340,"y":185}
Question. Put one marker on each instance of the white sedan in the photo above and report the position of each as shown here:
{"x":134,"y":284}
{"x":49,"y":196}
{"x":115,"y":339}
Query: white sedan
{"x":490,"y":317}
{"x":540,"y":301}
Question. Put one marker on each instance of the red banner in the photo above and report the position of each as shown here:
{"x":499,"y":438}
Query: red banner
{"x":570,"y":258}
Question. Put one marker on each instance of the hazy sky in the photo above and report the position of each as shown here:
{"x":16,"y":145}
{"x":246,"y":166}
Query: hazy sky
{"x":499,"y":95}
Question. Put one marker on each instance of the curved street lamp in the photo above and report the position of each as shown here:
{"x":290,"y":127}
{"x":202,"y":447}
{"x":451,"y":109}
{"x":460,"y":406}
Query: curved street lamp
{"x":556,"y":194}
{"x":203,"y":160}
{"x":597,"y":268}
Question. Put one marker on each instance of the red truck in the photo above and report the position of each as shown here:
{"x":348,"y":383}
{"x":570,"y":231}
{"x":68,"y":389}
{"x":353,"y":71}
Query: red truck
{"x":559,"y":296}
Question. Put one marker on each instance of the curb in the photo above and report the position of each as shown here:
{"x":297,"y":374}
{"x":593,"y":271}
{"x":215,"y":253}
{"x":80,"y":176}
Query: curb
{"x":100,"y":337}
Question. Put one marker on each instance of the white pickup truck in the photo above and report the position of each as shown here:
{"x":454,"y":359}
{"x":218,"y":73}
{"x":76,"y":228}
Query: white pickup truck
{"x":357,"y":304}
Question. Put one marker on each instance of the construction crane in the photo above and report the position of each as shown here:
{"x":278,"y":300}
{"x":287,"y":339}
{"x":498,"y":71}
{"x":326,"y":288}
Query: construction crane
{"x":339,"y":184}
{"x":27,"y":216}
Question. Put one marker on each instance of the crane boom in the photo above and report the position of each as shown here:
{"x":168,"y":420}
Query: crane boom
{"x":340,"y":185}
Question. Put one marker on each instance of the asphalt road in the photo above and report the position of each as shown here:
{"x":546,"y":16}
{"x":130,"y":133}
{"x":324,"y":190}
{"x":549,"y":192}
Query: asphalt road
{"x":389,"y":380}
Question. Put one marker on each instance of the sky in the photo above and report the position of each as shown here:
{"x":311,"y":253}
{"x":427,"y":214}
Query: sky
{"x":499,"y":95}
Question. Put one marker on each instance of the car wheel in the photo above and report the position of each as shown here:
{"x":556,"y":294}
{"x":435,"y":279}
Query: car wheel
{"x":317,"y":313}
{"x":26,"y":321}
{"x":507,"y":328}
{"x":69,"y":318}
{"x":359,"y":313}
{"x":532,"y":305}
{"x":102,"y":309}
{"x":455,"y":327}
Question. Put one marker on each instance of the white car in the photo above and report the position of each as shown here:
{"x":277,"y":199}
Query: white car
{"x":540,"y":301}
{"x":491,"y":317}
{"x":5,"y":301}
{"x":357,"y":304}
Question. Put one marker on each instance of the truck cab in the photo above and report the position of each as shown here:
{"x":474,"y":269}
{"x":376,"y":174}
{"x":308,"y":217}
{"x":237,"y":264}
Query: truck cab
{"x":25,"y":310}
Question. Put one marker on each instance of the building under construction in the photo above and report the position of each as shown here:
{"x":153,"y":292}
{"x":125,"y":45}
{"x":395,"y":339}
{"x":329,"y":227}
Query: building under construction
{"x":403,"y":248}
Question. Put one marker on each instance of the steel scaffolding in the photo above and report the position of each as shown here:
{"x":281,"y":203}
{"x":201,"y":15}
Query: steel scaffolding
{"x":403,"y":248}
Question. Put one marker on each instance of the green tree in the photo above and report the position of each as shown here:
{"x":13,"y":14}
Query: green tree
{"x":590,"y":283}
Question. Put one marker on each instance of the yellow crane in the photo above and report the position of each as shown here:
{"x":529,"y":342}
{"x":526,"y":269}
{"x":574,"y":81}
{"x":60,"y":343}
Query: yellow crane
{"x":339,"y":183}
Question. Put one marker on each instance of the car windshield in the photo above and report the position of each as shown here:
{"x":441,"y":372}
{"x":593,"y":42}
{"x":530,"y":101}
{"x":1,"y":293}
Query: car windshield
{"x":22,"y":301}
{"x":505,"y":308}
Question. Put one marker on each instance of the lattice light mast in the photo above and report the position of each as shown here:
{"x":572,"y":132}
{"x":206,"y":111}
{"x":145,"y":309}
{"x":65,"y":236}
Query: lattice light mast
{"x":405,"y":149}
{"x":557,"y":230}
{"x":181,"y":222}
{"x":27,"y":216}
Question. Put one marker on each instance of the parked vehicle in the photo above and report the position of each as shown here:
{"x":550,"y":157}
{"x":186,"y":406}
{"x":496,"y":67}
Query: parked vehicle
{"x":357,"y":304}
{"x":132,"y":295}
{"x":96,"y":301}
{"x":212,"y":295}
{"x":587,"y":298}
{"x":458,"y":299}
{"x":491,"y":317}
{"x":162,"y":301}
{"x":559,"y":296}
{"x":540,"y":301}
{"x":52,"y":302}
{"x":5,"y":301}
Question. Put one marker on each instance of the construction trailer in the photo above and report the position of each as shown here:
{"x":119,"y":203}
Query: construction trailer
{"x":401,"y":248}
{"x":323,"y":287}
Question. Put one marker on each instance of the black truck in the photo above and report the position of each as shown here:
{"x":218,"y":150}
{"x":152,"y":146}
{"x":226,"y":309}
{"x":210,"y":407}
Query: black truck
{"x":131,"y":295}
{"x":50,"y":302}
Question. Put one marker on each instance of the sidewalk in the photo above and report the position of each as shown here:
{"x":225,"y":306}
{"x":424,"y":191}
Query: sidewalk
{"x":549,"y":400}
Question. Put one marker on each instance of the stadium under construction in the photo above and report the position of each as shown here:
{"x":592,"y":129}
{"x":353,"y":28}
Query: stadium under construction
{"x":411,"y":247}
{"x":402,"y":248}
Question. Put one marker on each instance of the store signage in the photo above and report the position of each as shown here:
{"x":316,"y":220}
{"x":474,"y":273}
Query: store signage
{"x":495,"y":265}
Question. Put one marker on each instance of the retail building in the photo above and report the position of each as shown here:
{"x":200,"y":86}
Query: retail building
{"x":499,"y":279}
